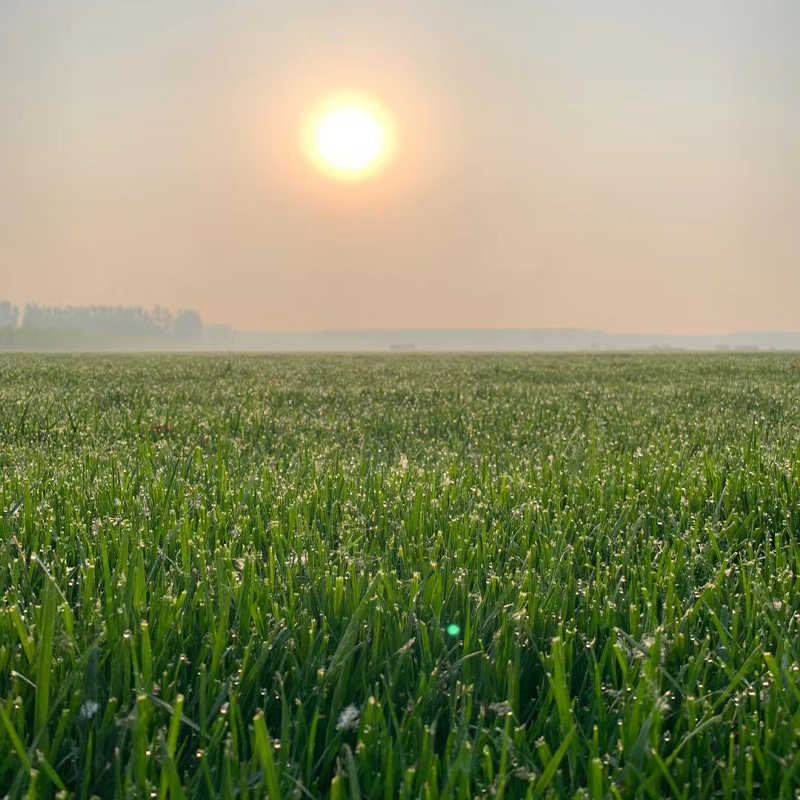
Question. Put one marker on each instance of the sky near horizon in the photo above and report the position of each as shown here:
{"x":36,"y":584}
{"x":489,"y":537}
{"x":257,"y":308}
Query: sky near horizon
{"x":626,"y":165}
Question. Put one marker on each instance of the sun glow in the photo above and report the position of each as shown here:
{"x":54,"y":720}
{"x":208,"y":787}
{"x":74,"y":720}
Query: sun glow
{"x":349,"y":138}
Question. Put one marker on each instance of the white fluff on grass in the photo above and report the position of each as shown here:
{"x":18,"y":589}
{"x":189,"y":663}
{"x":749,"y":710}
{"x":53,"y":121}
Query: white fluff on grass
{"x":348,"y":719}
{"x":89,"y":709}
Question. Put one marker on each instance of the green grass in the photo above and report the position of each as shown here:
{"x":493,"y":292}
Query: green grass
{"x":405,"y":577}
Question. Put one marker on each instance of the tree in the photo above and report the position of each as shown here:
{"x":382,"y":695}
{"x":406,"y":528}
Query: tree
{"x":9,"y":315}
{"x":187,"y":325}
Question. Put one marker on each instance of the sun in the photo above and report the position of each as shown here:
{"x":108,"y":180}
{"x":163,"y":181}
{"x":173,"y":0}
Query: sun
{"x":349,"y":138}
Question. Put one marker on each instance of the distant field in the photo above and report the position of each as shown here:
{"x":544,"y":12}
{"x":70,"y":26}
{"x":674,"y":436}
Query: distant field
{"x":400,"y":577}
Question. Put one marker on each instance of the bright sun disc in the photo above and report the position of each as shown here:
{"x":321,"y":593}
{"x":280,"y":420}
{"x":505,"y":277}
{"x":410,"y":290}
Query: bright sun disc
{"x":349,"y":140}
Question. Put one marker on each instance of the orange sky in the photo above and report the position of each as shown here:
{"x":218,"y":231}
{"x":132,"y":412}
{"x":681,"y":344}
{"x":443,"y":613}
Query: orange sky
{"x":634,"y":170}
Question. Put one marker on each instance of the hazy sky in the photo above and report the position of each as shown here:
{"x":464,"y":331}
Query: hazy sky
{"x":630,"y":165}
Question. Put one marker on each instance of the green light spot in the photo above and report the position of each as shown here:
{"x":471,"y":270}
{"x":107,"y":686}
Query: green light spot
{"x":453,"y":629}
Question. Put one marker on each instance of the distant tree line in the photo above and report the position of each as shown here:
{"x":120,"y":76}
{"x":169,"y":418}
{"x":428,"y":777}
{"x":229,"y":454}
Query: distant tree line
{"x":105,"y":327}
{"x":8,"y":316}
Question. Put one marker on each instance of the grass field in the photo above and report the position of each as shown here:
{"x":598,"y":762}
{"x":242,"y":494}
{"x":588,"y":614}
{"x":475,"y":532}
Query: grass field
{"x":400,"y":577}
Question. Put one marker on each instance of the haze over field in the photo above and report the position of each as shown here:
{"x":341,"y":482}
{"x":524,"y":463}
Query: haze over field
{"x":621,"y":166}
